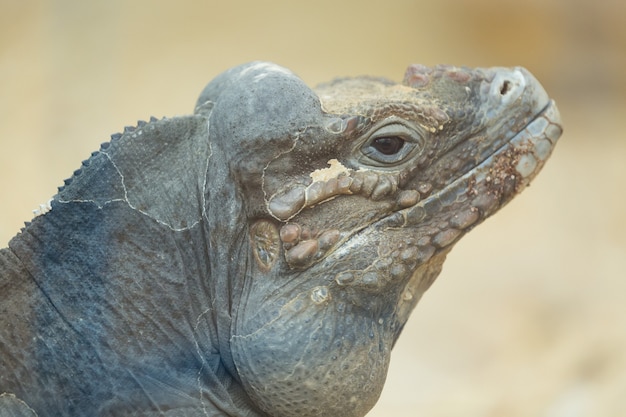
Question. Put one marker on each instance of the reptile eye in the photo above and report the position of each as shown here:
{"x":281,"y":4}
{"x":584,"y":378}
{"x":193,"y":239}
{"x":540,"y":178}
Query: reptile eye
{"x":388,"y":145}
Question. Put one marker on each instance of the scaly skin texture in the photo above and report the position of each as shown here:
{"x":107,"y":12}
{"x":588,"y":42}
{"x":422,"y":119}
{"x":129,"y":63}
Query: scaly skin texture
{"x":260,"y":257}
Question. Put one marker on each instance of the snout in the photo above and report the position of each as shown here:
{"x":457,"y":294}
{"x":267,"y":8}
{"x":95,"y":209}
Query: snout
{"x":508,"y":87}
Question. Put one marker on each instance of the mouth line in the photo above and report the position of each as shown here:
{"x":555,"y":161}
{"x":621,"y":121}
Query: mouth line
{"x":536,"y":138}
{"x":506,"y":142}
{"x":491,"y":155}
{"x":534,"y":135}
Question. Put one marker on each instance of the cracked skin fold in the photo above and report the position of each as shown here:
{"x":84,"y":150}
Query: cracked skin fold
{"x":261,"y":256}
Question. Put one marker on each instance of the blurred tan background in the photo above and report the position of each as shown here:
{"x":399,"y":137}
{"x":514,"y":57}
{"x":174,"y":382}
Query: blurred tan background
{"x":529,"y":316}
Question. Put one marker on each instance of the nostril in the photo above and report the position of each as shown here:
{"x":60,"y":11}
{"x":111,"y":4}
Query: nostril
{"x":505,"y":87}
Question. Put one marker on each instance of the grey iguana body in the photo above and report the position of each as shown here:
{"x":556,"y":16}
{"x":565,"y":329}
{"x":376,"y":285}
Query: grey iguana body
{"x":261,"y":256}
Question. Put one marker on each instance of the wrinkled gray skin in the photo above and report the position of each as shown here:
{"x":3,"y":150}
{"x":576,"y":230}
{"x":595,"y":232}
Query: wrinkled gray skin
{"x":261,"y":256}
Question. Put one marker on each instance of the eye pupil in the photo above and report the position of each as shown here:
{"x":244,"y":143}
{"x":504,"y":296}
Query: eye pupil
{"x":388,"y":145}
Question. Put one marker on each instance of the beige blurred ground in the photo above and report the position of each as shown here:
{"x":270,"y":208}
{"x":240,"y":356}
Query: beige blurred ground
{"x":529,"y":315}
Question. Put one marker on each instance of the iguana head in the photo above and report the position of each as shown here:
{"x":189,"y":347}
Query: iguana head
{"x":350,"y":196}
{"x":261,"y":256}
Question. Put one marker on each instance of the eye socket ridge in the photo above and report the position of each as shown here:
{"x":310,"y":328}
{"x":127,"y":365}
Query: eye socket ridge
{"x":391,"y":144}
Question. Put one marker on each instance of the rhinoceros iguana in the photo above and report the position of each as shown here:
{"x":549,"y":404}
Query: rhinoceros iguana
{"x":261,"y":256}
